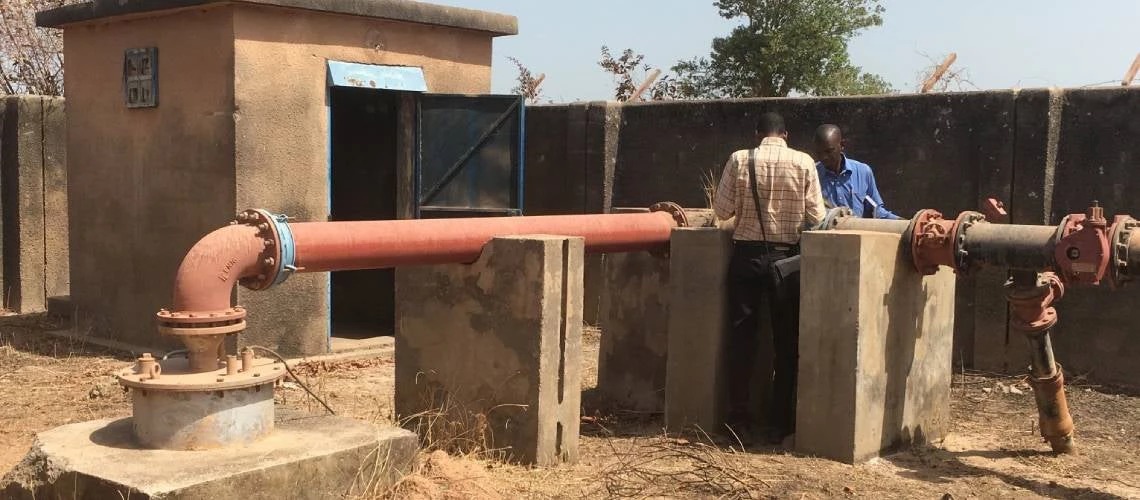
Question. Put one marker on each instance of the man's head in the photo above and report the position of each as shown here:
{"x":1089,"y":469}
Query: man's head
{"x":829,"y":145}
{"x":771,"y":124}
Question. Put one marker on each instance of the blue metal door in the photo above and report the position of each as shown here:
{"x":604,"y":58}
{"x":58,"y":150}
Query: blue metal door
{"x":469,"y":156}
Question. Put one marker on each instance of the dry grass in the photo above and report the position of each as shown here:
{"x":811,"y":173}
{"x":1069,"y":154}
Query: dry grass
{"x":47,"y":381}
{"x":709,"y":182}
{"x":993,"y":450}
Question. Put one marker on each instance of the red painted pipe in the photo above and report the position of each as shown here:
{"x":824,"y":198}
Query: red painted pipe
{"x":342,"y":246}
{"x":215,"y":264}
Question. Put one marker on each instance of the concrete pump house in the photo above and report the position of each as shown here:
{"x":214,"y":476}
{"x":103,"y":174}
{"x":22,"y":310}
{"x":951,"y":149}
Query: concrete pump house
{"x":182,"y":112}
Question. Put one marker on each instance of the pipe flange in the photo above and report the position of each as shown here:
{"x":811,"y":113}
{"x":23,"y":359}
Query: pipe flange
{"x":279,"y":254}
{"x":926,"y":263}
{"x":195,"y":324}
{"x":834,"y":215}
{"x":1118,"y":237}
{"x":908,"y":235}
{"x":673,"y":209}
{"x":202,"y":329}
{"x":964,"y":222}
{"x":177,"y":376}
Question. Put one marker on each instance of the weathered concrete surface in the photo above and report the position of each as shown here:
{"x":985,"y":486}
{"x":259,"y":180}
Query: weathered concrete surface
{"x":695,"y":382}
{"x":407,"y":11}
{"x":635,"y":331}
{"x":228,"y":134}
{"x":304,"y":458}
{"x":1095,"y":157}
{"x":281,"y":129}
{"x":490,"y":353}
{"x":145,"y":184}
{"x":875,"y":347}
{"x":33,"y":184}
{"x":571,"y":152}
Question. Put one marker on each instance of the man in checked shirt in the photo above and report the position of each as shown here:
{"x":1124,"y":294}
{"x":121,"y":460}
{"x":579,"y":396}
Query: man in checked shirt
{"x":789,"y":201}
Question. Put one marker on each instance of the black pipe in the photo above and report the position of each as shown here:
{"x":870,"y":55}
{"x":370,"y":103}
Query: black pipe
{"x":1012,"y":246}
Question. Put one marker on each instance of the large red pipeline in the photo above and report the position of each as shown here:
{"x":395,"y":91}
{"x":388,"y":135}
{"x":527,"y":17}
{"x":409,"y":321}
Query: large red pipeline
{"x":342,"y":246}
{"x":250,"y":250}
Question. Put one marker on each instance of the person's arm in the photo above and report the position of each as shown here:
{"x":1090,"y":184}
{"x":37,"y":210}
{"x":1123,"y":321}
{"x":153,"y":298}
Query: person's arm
{"x":881,"y":211}
{"x":724,"y":200}
{"x":814,"y":210}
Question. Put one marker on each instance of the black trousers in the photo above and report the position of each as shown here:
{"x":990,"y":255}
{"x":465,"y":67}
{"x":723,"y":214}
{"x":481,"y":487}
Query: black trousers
{"x":749,"y":283}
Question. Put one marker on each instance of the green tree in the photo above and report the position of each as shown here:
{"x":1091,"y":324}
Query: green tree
{"x":626,"y":67}
{"x":784,"y":47}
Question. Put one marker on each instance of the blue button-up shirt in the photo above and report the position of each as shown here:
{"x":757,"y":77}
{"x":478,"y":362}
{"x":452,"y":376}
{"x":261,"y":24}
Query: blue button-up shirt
{"x":850,"y":187}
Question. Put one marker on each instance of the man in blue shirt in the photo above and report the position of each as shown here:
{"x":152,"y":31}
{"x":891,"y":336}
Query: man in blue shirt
{"x":846,"y":182}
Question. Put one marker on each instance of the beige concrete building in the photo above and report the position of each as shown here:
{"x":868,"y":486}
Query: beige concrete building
{"x":182,"y":112}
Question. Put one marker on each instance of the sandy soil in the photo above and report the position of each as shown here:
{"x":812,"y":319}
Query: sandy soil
{"x":993,"y":451}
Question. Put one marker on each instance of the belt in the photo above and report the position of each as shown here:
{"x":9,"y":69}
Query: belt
{"x":765,"y":244}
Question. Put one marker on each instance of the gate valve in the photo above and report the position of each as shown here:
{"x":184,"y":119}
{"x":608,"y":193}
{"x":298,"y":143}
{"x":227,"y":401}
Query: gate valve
{"x":1082,"y":250}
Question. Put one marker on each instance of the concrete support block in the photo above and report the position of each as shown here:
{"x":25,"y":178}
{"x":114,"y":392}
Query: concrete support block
{"x":33,"y":177}
{"x":695,"y":381}
{"x":875,"y":347}
{"x":305,"y":458}
{"x":488,"y":355}
{"x":635,"y":331}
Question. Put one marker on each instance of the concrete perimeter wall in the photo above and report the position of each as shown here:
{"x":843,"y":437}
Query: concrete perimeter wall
{"x":33,"y":202}
{"x":942,"y":151}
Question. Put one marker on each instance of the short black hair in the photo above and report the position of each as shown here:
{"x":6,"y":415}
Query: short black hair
{"x":770,"y":123}
{"x":826,"y":131}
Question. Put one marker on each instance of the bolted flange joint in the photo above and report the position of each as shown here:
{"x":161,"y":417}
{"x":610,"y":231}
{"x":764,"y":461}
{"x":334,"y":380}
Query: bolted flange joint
{"x":1118,"y":236}
{"x":278,"y":256}
{"x":931,"y":241}
{"x":679,"y":217}
{"x":1032,"y":307}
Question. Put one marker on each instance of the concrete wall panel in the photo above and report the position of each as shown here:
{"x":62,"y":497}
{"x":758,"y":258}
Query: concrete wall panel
{"x":146,"y":183}
{"x":282,"y":130}
{"x":1097,"y":158}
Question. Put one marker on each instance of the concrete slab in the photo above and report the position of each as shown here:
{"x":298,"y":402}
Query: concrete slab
{"x":876,"y":343}
{"x":635,"y":332}
{"x":694,"y":381}
{"x":488,"y":355}
{"x":304,"y":458}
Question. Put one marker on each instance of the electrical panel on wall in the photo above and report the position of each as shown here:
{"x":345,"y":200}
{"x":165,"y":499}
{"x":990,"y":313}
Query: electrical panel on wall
{"x":140,"y":77}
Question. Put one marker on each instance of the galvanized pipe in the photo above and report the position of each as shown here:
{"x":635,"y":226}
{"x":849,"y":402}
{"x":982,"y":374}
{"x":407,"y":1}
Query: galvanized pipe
{"x":1042,"y":363}
{"x":875,"y":225}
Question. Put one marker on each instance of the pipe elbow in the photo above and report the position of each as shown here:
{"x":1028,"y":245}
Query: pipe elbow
{"x":214,"y":265}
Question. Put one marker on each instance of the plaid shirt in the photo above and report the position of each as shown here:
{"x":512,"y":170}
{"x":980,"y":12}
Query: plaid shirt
{"x":789,"y":193}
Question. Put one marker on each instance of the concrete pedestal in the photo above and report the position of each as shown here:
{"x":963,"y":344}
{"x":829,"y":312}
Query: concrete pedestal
{"x":304,"y":458}
{"x":875,"y":347}
{"x":635,"y":332}
{"x":695,"y":376}
{"x":488,"y":355}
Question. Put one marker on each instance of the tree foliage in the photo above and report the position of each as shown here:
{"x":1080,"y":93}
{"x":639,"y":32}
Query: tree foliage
{"x":31,"y":58}
{"x":527,"y":85}
{"x":784,"y":47}
{"x":629,"y":73}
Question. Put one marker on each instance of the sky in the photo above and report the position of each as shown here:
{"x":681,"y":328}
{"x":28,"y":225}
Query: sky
{"x":1000,"y":43}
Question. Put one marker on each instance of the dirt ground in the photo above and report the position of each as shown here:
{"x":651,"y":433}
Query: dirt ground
{"x":993,"y":451}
